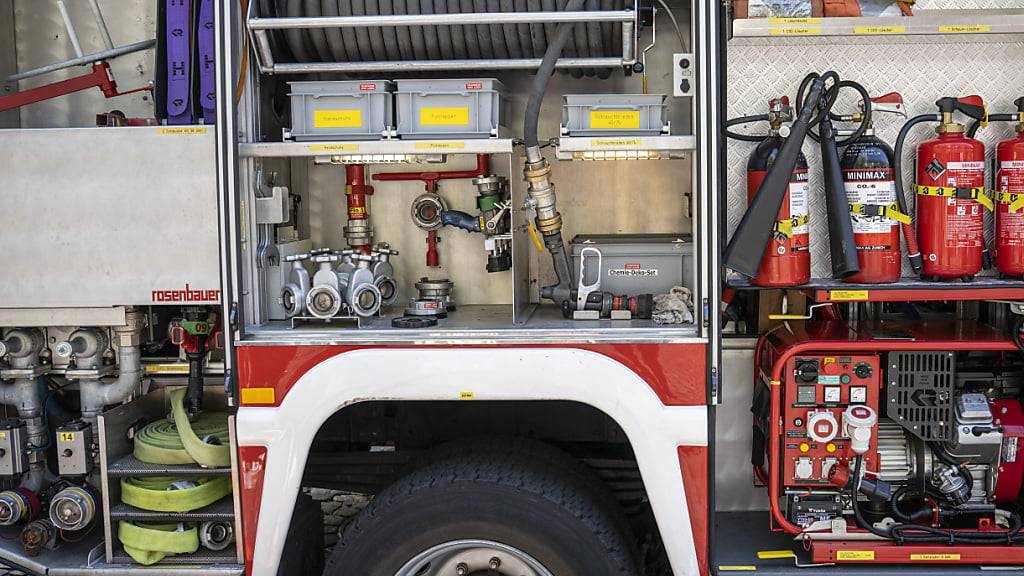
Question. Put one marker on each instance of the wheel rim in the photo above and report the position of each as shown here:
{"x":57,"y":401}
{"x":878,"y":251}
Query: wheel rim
{"x":473,"y":558}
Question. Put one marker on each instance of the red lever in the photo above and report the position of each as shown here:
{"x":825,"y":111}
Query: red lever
{"x":99,"y":78}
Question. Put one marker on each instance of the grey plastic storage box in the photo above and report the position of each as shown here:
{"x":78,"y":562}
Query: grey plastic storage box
{"x":342,"y":110}
{"x":441,"y":108}
{"x":614,"y":115}
{"x":636,"y":263}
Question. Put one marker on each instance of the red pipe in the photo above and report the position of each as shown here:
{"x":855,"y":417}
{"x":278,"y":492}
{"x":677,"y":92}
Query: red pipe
{"x":356,"y":191}
{"x":845,"y":347}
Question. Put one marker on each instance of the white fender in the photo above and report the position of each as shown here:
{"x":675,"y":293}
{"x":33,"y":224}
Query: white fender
{"x":654,"y":430}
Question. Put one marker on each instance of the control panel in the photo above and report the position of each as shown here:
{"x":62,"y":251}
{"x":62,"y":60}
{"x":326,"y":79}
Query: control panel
{"x":816,"y":391}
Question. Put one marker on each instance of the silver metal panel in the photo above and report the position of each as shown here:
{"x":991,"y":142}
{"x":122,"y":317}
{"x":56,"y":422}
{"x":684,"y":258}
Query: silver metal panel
{"x":733,"y":474}
{"x":42,"y":39}
{"x":922,"y":69}
{"x":106,"y":216}
{"x":45,"y":317}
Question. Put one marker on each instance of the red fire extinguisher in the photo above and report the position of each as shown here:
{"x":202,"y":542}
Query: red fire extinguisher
{"x":949,"y":184}
{"x":787,"y":257}
{"x":868,"y":176}
{"x":1009,"y":185}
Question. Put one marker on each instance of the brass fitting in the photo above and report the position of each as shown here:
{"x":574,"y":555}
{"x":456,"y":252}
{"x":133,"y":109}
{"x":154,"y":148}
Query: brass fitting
{"x":542,"y":193}
{"x":948,"y":125}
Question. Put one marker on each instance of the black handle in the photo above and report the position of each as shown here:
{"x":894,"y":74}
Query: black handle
{"x":840,"y":225}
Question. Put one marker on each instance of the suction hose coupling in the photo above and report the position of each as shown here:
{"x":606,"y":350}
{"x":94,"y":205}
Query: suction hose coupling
{"x":542,"y":192}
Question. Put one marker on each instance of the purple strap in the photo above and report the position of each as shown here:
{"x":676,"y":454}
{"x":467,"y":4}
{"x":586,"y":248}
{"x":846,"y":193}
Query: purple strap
{"x":207,"y":63}
{"x":179,"y":62}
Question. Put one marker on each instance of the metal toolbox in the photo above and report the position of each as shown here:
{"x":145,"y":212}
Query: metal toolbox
{"x":351,"y":110}
{"x":439,"y":108}
{"x":636,"y":263}
{"x":614,"y":115}
{"x":104,"y":217}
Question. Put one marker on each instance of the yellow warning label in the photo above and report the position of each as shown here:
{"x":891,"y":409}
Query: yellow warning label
{"x":855,"y":555}
{"x":848,"y":295}
{"x":337,"y":119}
{"x":775,"y":554}
{"x":615,"y":142}
{"x":333,"y":147}
{"x":880,"y":30}
{"x":796,"y":20}
{"x":444,"y":116}
{"x":935,"y":557}
{"x":67,"y":436}
{"x":178,"y":130}
{"x":167,"y":369}
{"x":965,"y":29}
{"x":258,"y":396}
{"x":829,"y":360}
{"x":615,"y":119}
{"x":737,"y":568}
{"x":465,"y":395}
{"x":440,"y":145}
{"x":357,"y":210}
{"x":801,"y":31}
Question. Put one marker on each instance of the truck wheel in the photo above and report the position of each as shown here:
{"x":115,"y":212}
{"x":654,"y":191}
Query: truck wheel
{"x":496,"y":514}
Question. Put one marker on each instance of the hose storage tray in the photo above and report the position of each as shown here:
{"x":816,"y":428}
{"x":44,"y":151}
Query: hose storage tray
{"x":343,"y":110}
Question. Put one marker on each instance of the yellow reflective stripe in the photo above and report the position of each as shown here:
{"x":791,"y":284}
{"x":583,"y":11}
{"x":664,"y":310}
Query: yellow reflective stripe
{"x":1016,"y":201}
{"x":887,"y":210}
{"x":977,"y":194}
{"x":785,"y":227}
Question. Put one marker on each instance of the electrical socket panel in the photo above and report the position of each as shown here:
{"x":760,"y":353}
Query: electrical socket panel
{"x":684,"y":74}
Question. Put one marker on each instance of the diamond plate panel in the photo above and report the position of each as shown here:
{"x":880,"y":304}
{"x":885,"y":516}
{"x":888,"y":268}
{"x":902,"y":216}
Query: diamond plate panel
{"x":921,"y":68}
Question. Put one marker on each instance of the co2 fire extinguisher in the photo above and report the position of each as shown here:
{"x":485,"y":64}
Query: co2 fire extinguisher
{"x":868,"y":176}
{"x":787,"y":257}
{"x":1008,"y":180}
{"x":949,"y":185}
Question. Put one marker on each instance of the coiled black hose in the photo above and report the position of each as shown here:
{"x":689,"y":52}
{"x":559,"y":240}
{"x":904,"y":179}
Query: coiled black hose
{"x":446,"y":42}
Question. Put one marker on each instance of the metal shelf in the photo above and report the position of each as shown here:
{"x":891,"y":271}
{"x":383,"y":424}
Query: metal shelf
{"x":624,"y":147}
{"x":375,"y":151}
{"x":923,"y":22}
{"x":227,"y":556}
{"x":222,"y":509}
{"x":906,"y":290}
{"x":132,"y":466}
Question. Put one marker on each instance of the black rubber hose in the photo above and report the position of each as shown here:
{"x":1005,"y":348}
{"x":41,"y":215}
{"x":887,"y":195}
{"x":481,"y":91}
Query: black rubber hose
{"x":973,"y":130}
{"x":913,"y":254}
{"x":540,"y":81}
{"x":387,"y":8}
{"x":469,"y":32}
{"x":349,"y":34}
{"x":402,"y":33}
{"x":295,"y":38}
{"x":745,"y":120}
{"x":316,"y":36}
{"x":573,"y":42}
{"x":537,"y":35}
{"x":335,"y":41}
{"x":509,"y":31}
{"x":459,"y":44}
{"x":444,"y":33}
{"x":583,"y":43}
{"x":525,"y":39}
{"x":380,"y":50}
{"x":483,"y":31}
{"x":595,"y":37}
{"x":607,"y":39}
{"x":430,"y":32}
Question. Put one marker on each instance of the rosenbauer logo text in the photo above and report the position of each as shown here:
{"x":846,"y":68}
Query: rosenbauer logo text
{"x":186,"y":295}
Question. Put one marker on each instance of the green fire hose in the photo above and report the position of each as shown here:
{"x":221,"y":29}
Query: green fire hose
{"x":179,"y":441}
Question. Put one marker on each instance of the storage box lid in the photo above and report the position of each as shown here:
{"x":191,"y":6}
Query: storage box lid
{"x":452,"y":85}
{"x":340,"y":87}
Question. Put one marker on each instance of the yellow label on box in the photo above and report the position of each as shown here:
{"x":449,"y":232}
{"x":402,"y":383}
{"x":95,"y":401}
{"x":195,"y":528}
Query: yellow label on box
{"x":440,"y":145}
{"x":802,"y":31}
{"x":615,"y":119}
{"x":848,"y":295}
{"x":796,"y":20}
{"x":67,"y":436}
{"x":934,"y":557}
{"x":190,"y":130}
{"x":615,"y":142}
{"x":333,"y":147}
{"x":337,"y":119}
{"x":964,"y":29}
{"x":258,"y":396}
{"x":880,"y":30}
{"x":855,"y":555}
{"x":444,"y":116}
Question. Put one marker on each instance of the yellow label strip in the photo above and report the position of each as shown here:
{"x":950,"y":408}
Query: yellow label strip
{"x":965,"y":29}
{"x":796,"y":31}
{"x":848,"y":295}
{"x":182,"y":130}
{"x":872,"y":30}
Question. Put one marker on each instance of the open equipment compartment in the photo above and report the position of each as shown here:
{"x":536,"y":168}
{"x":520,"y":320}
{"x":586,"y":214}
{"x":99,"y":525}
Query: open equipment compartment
{"x":328,"y":202}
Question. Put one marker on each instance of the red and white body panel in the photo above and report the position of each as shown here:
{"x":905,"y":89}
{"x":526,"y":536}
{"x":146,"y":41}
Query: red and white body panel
{"x":655,"y":392}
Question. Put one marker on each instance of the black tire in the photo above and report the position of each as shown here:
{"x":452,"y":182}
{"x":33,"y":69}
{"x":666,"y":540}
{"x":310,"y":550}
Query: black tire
{"x":521,"y":494}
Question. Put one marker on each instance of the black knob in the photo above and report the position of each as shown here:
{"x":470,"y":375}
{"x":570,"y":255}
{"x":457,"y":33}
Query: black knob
{"x":684,"y":86}
{"x":807,"y":370}
{"x":862,"y":370}
{"x":684,"y":63}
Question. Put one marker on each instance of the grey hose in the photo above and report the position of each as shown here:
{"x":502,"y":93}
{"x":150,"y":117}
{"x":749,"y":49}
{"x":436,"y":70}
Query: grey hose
{"x":540,"y":81}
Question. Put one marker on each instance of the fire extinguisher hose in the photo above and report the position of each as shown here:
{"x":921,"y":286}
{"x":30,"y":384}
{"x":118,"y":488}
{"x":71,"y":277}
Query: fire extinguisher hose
{"x":745,"y":120}
{"x":909,"y":235}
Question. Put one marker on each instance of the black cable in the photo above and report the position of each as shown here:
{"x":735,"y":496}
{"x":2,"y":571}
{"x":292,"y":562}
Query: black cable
{"x":1015,"y":335}
{"x":745,"y":120}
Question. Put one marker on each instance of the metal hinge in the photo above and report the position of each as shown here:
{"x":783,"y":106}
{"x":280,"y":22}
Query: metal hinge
{"x":706,"y":307}
{"x":714,"y":385}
